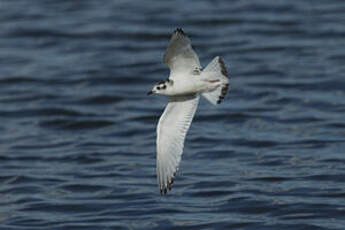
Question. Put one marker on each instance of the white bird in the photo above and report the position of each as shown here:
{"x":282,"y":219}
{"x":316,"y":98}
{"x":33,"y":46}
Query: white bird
{"x":186,"y":82}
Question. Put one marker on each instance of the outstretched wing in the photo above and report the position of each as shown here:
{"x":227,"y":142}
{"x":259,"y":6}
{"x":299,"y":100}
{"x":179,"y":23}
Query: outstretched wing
{"x":180,"y":55}
{"x":171,"y":132}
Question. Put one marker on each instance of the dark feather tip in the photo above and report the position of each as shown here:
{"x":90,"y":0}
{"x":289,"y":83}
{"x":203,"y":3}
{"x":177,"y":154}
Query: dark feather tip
{"x":179,"y":30}
{"x":223,"y":68}
{"x":163,"y":191}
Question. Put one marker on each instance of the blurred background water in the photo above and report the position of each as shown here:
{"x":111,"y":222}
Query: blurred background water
{"x":77,"y":132}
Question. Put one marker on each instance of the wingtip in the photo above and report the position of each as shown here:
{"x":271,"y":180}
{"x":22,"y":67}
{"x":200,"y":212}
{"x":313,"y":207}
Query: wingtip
{"x":164,"y":190}
{"x":179,"y":30}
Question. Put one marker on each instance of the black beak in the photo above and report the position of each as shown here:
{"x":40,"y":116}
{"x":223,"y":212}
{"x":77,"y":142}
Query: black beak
{"x":149,"y":93}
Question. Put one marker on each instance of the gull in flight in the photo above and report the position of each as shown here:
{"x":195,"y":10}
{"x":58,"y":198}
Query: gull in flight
{"x":186,"y":82}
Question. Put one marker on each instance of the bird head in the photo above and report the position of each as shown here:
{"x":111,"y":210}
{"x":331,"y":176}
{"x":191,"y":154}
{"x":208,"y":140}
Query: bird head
{"x":161,"y":87}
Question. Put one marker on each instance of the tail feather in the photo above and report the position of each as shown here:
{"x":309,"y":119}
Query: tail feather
{"x":216,"y":71}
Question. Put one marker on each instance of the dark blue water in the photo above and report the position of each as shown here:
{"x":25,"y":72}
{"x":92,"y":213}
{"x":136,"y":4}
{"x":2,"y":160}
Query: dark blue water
{"x":77,"y":131}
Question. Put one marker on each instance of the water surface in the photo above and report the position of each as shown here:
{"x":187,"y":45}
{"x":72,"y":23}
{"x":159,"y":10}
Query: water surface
{"x":77,"y":143}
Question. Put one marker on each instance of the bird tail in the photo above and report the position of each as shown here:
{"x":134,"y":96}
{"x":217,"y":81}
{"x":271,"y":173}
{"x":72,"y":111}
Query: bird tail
{"x":215,"y":71}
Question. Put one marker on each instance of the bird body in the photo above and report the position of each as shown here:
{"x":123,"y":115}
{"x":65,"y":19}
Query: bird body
{"x":186,"y":82}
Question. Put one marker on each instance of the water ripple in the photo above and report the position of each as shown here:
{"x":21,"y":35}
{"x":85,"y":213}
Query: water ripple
{"x":77,"y":143}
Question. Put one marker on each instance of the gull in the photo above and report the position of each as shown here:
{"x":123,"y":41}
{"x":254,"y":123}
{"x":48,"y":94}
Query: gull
{"x":187,"y":80}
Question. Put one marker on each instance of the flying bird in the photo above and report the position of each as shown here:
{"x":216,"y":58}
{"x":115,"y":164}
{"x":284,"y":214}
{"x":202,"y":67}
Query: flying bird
{"x":187,"y":80}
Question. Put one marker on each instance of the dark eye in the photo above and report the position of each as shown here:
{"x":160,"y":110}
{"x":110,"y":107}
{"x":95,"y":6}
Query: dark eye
{"x":158,"y":87}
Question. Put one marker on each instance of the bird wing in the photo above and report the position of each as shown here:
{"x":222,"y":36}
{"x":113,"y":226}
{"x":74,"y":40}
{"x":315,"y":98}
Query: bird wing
{"x":180,"y":55}
{"x":171,"y":132}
